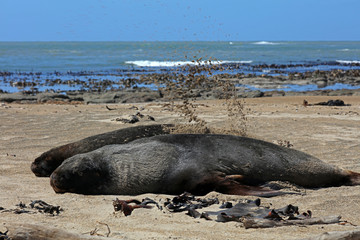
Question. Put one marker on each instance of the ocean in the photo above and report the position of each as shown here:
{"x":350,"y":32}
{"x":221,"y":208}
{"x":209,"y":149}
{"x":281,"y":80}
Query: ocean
{"x":46,"y":61}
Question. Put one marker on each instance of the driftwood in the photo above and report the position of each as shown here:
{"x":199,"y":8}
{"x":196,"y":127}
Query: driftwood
{"x":266,"y":223}
{"x":344,"y":235}
{"x":41,"y":232}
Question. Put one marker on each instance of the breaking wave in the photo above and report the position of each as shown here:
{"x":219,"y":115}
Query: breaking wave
{"x":348,"y":62}
{"x":147,"y":63}
{"x":344,"y":50}
{"x":266,"y":43}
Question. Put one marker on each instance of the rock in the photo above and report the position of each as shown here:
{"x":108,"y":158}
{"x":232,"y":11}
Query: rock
{"x":321,"y":83}
{"x":17,"y":97}
{"x":121,"y":97}
{"x":130,"y":119}
{"x":251,"y":94}
{"x":341,"y":92}
{"x":45,"y":97}
{"x":274,"y":94}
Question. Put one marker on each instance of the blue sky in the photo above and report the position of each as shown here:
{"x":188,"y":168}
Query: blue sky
{"x":185,"y":20}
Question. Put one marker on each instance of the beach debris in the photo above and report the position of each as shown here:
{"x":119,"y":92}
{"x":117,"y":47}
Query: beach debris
{"x":45,"y":207}
{"x":337,"y":102}
{"x":284,"y":143}
{"x":140,"y":115}
{"x":351,"y":113}
{"x":188,"y":202}
{"x":125,"y":207}
{"x":39,"y":205}
{"x":133,"y":107}
{"x":110,"y":109}
{"x":96,"y":230}
{"x":134,"y":118}
{"x":305,"y":103}
{"x":4,"y":236}
{"x":248,"y":212}
{"x":252,"y":215}
{"x":151,"y":118}
{"x":180,"y":203}
{"x":19,"y":210}
{"x":131,"y":119}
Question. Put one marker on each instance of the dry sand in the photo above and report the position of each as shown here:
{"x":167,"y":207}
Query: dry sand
{"x":329,"y":133}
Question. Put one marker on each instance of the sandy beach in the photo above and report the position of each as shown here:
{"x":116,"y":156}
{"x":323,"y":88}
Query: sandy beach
{"x":27,"y":130}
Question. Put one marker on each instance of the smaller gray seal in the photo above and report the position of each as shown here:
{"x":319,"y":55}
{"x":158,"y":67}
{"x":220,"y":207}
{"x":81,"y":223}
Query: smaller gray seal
{"x":47,"y":162}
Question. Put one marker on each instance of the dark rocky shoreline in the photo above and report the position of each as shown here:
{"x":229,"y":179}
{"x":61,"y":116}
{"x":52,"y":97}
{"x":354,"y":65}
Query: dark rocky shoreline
{"x":265,"y":85}
{"x":146,"y":95}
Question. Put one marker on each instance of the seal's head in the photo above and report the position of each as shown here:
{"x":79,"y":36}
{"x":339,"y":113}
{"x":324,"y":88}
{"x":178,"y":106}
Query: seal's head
{"x":80,"y":174}
{"x":42,"y":166}
{"x":47,"y":162}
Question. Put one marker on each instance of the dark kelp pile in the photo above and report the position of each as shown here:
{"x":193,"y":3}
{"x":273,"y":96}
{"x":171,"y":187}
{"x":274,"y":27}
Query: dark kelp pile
{"x":36,"y":206}
{"x":248,"y":212}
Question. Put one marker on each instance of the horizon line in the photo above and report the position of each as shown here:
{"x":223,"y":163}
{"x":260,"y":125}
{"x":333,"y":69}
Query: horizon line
{"x":179,"y":40}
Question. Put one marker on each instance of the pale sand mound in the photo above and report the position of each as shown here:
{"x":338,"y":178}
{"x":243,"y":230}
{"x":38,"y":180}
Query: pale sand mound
{"x":329,"y":133}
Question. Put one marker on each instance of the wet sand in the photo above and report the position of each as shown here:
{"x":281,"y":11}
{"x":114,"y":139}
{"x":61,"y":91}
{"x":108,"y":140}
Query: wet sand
{"x":27,"y":130}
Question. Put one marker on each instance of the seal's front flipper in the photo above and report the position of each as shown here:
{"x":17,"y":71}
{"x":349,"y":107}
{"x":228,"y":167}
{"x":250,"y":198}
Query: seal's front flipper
{"x":231,"y":185}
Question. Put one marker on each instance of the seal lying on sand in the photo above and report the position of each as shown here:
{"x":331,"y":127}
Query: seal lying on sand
{"x":196,"y":163}
{"x":47,"y":162}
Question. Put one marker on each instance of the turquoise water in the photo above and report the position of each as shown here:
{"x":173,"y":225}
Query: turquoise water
{"x":44,"y":62}
{"x":109,"y":56}
{"x":303,"y":88}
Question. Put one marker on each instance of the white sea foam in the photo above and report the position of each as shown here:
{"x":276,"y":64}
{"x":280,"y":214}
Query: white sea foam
{"x":265,"y":43}
{"x":147,"y":63}
{"x":344,"y":50}
{"x":347,"y":61}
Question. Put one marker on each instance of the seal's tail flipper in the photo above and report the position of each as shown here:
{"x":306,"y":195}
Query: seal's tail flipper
{"x":230,"y":186}
{"x":354,"y":178}
{"x":254,"y":191}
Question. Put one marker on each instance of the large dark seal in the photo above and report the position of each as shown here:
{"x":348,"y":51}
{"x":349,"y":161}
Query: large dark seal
{"x":47,"y":162}
{"x":172,"y":164}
